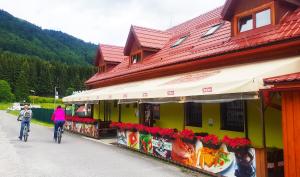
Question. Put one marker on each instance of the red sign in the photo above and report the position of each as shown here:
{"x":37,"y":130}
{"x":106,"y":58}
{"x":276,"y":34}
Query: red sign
{"x":171,"y":92}
{"x":145,"y":94}
{"x":207,"y":89}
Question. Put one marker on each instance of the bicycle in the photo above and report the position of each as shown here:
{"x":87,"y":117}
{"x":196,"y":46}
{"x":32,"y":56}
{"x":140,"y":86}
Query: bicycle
{"x":59,"y":134}
{"x":25,"y":132}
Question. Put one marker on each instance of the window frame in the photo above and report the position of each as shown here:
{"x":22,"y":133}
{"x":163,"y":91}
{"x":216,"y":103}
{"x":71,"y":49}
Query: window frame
{"x":136,"y":54}
{"x":253,"y":12}
{"x":212,"y":26}
{"x":179,"y":41}
{"x":223,"y":124}
{"x":190,"y":121}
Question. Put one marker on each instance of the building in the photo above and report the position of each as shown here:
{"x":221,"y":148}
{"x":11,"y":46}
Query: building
{"x":205,"y":74}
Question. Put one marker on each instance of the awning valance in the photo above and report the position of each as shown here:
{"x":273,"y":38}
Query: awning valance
{"x":237,"y":79}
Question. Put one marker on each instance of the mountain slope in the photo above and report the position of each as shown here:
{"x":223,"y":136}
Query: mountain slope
{"x":20,"y":36}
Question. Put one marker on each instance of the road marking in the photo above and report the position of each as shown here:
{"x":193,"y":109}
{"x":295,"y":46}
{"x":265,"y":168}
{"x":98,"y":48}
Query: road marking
{"x":104,"y":141}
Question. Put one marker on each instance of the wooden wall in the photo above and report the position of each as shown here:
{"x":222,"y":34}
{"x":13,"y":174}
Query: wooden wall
{"x":291,"y":132}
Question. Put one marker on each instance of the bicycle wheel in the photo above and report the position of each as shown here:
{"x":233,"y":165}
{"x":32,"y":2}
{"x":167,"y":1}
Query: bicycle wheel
{"x":58,"y":135}
{"x":25,"y":133}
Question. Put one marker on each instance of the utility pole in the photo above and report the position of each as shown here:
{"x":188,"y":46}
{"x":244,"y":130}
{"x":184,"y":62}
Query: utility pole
{"x":55,"y":95}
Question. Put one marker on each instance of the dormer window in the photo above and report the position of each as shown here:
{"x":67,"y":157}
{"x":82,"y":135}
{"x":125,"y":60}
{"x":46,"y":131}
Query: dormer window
{"x":254,"y":18}
{"x":212,"y":29}
{"x":179,"y":41}
{"x":263,"y":18}
{"x":246,"y":23}
{"x":102,"y":69}
{"x":136,"y":58}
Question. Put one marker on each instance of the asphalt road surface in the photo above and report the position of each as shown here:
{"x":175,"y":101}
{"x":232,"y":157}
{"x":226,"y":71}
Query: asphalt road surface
{"x":74,"y":157}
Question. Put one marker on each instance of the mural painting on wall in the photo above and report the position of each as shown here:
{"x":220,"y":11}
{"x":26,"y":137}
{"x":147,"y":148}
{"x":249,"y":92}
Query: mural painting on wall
{"x":122,"y":137}
{"x":87,"y":129}
{"x":226,"y":157}
{"x":133,"y":139}
{"x":183,"y":152}
{"x":162,"y":147}
{"x":146,"y":143}
{"x":215,"y":159}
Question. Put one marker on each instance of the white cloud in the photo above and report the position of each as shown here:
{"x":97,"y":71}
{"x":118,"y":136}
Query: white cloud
{"x":106,"y":21}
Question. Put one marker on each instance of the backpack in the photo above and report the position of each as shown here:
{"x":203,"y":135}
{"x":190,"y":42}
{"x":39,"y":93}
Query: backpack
{"x":27,"y":115}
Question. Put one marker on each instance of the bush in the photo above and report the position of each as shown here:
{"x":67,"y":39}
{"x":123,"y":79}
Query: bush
{"x":39,"y":99}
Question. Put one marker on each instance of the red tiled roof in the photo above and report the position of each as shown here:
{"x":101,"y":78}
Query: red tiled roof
{"x":146,"y":37}
{"x":111,"y":53}
{"x":197,"y":47}
{"x":283,"y":79}
{"x":151,"y":38}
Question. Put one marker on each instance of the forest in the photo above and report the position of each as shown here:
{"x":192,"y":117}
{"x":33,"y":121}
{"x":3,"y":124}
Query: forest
{"x":28,"y":75}
{"x":33,"y":61}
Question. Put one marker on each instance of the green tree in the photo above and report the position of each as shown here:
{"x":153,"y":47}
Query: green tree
{"x":5,"y":92}
{"x":22,"y":83}
{"x":70,"y":91}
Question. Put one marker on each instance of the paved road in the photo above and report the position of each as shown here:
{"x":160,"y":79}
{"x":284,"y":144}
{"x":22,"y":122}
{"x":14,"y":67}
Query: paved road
{"x":75,"y":157}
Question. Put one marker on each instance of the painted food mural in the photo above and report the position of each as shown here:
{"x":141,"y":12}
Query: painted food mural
{"x":133,"y":139}
{"x":162,"y":147}
{"x":184,"y":152}
{"x":122,"y":137}
{"x":146,"y":143}
{"x":214,"y":160}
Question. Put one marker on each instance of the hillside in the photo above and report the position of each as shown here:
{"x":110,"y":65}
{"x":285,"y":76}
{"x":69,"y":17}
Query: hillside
{"x":21,"y":37}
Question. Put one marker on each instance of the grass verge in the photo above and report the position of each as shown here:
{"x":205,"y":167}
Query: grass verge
{"x":4,"y":106}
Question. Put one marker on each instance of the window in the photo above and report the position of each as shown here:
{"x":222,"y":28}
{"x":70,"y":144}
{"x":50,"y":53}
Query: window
{"x":193,"y":114}
{"x":212,"y":30}
{"x":136,"y":58}
{"x":179,"y":41}
{"x":254,"y":20}
{"x":246,"y":23}
{"x":233,"y":116}
{"x":101,"y":68}
{"x":152,"y":111}
{"x":263,"y":18}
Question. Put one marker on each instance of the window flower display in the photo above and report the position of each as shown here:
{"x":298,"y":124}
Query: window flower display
{"x":211,"y":141}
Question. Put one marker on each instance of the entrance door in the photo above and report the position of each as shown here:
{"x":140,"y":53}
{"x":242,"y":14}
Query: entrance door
{"x":149,"y":113}
{"x":291,"y":132}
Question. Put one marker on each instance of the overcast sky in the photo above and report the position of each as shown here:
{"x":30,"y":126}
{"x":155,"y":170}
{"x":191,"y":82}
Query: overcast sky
{"x":106,"y":21}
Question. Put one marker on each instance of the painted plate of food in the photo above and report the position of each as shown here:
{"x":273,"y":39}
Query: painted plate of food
{"x":214,"y":160}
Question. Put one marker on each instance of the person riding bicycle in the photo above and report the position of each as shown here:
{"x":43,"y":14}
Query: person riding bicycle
{"x":58,"y":118}
{"x":24,"y":117}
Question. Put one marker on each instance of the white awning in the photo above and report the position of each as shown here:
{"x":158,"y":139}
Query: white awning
{"x":237,"y":79}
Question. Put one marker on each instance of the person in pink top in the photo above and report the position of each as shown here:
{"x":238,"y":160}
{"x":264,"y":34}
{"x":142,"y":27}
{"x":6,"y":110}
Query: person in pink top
{"x":58,"y":118}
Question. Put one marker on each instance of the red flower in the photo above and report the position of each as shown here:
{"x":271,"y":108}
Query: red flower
{"x":153,"y":130}
{"x":211,"y":139}
{"x":187,"y":134}
{"x":140,"y":127}
{"x":166,"y":132}
{"x":236,"y":143}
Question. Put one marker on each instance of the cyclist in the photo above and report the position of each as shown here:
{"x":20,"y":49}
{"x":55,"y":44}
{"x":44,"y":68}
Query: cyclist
{"x":58,"y":118}
{"x":25,"y":117}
